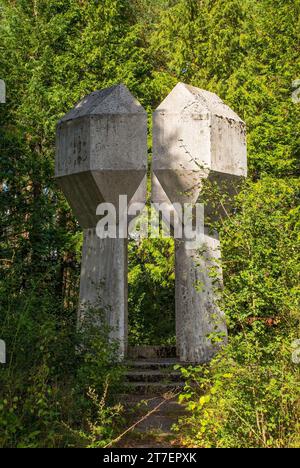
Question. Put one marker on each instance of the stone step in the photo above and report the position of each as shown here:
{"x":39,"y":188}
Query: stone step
{"x":151,"y":352}
{"x":166,"y":363}
{"x":150,"y":375}
{"x":153,"y":388}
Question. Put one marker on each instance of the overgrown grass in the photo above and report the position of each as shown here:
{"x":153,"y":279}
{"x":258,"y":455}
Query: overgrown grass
{"x":249,"y":396}
{"x":57,"y":387}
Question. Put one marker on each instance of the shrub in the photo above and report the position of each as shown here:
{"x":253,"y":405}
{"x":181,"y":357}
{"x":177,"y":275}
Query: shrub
{"x":249,"y":395}
{"x":51,"y":370}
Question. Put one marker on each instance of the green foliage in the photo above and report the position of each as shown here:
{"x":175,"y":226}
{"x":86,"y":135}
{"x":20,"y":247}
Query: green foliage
{"x":101,"y":429}
{"x":249,"y":395}
{"x":260,"y":244}
{"x":52,"y":370}
{"x":151,"y":292}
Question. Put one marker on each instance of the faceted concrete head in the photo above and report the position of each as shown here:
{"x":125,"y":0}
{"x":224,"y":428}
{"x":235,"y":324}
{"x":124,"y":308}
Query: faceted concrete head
{"x":195,"y":137}
{"x":101,"y":152}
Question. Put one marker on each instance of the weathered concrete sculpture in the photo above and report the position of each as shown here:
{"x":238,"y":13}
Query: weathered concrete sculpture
{"x":196,"y":137}
{"x":101,"y":154}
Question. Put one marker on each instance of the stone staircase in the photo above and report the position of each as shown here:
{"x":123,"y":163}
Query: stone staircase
{"x":150,"y":370}
{"x":151,"y":397}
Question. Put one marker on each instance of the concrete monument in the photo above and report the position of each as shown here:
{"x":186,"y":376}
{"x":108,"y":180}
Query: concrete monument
{"x":196,"y":137}
{"x":101,"y":153}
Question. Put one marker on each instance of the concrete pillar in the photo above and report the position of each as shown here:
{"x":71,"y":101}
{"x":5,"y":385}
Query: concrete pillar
{"x":198,"y":283}
{"x":101,"y":154}
{"x":196,"y":137}
{"x":103,"y":281}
